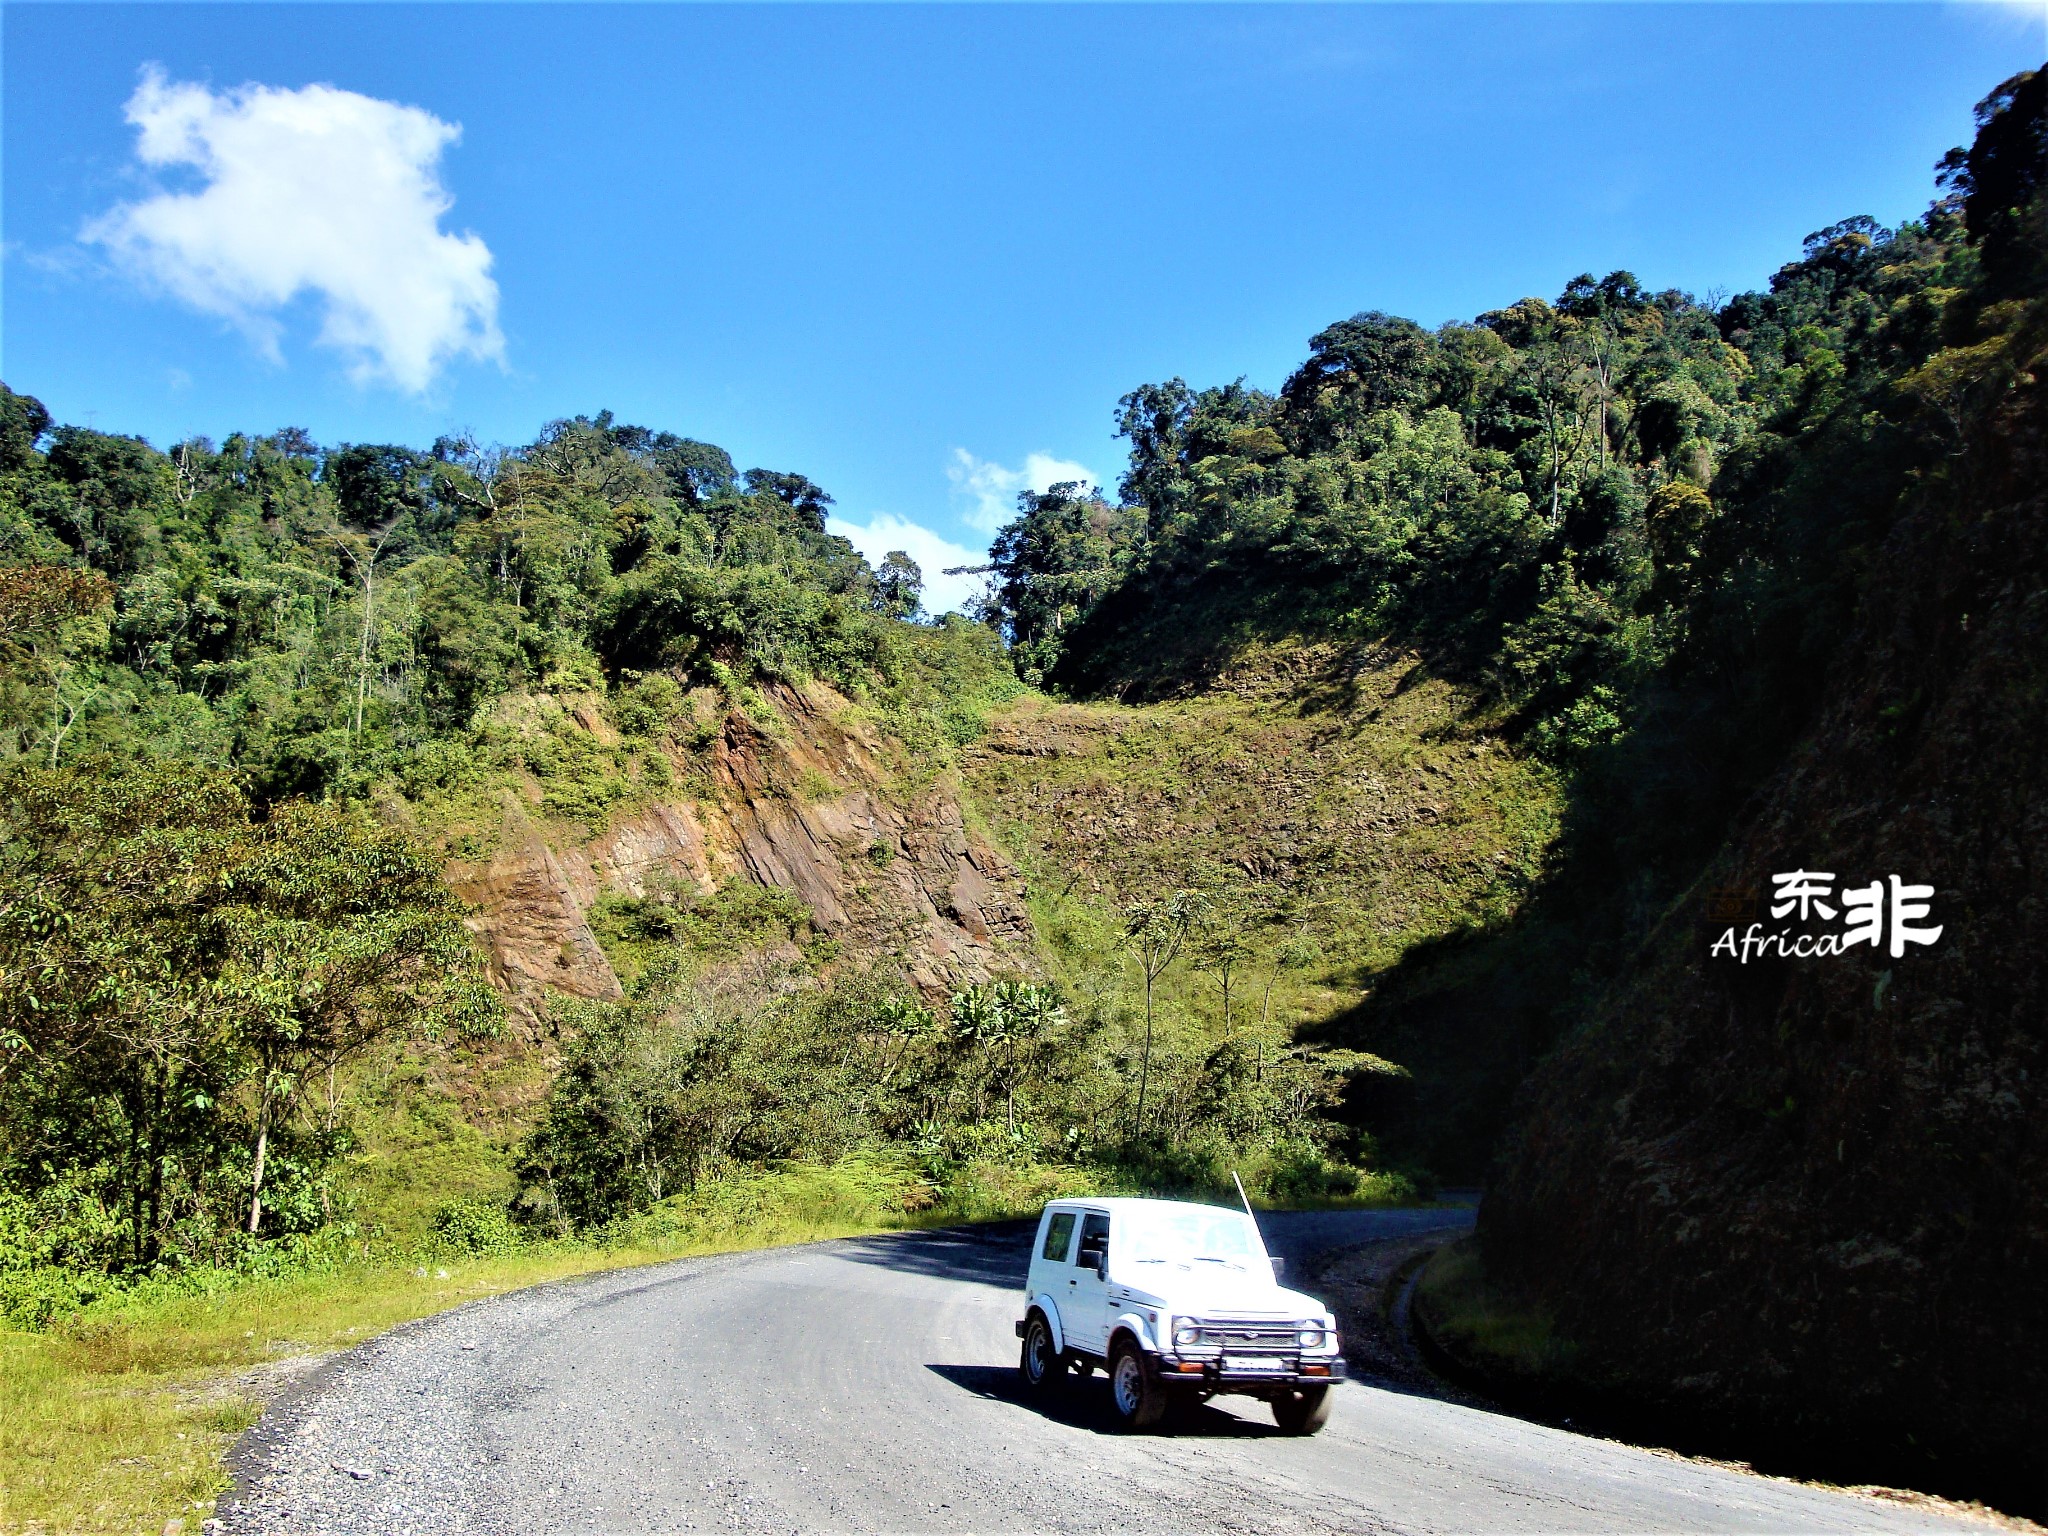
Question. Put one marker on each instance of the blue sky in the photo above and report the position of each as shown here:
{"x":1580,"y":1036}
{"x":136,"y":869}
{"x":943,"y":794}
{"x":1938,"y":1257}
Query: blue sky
{"x":914,"y":252}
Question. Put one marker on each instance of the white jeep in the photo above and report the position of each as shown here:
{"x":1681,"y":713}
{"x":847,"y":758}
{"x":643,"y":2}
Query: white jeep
{"x":1177,"y":1302}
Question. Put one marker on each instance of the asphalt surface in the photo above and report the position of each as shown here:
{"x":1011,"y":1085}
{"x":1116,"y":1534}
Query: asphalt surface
{"x":870,"y":1385}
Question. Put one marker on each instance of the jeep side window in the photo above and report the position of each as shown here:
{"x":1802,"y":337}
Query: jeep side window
{"x":1094,"y":1238}
{"x":1058,"y":1235}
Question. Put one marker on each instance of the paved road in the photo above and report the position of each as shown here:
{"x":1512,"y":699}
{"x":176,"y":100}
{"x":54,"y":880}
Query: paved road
{"x":868,"y":1385}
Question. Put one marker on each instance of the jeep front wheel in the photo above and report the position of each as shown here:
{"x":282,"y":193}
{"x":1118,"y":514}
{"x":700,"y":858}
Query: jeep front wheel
{"x":1134,"y":1387}
{"x":1302,"y":1412}
{"x":1041,"y":1364}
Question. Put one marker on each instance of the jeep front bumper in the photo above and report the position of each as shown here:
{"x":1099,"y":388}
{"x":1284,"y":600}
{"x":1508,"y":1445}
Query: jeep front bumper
{"x":1254,"y":1371}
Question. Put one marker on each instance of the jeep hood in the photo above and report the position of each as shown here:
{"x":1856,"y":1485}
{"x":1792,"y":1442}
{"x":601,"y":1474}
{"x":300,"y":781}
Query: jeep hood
{"x":1202,"y":1290}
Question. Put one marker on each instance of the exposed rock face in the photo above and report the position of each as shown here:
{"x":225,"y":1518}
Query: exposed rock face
{"x":892,"y":869}
{"x":530,"y":914}
{"x":1807,"y":1199}
{"x":813,"y":807}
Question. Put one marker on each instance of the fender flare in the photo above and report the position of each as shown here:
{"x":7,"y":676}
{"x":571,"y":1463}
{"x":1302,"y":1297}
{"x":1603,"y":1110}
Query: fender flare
{"x":1042,"y":1303}
{"x":1136,"y":1326}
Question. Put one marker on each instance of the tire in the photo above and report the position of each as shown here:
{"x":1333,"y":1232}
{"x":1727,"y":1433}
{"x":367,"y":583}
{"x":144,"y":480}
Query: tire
{"x":1302,"y":1412}
{"x":1134,"y":1387}
{"x":1041,"y":1366}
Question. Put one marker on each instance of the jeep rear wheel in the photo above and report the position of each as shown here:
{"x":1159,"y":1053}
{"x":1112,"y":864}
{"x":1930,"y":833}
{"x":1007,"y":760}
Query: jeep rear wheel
{"x":1302,"y":1412}
{"x":1041,"y":1364}
{"x":1134,"y":1387}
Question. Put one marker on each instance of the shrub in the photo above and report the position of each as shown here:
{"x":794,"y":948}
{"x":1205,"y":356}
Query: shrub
{"x":475,"y":1227}
{"x":32,"y":1299}
{"x":1300,"y":1173}
{"x":63,"y":1225}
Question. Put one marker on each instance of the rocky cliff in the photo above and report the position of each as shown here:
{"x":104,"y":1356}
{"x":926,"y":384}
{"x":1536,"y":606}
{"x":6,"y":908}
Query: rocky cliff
{"x":1804,"y":1201}
{"x":807,"y":798}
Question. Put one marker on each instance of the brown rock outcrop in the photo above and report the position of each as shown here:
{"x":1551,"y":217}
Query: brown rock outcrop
{"x":530,"y":914}
{"x":813,"y":805}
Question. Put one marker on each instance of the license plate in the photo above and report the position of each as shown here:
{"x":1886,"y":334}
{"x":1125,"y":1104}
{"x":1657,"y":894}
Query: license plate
{"x":1253,"y":1363}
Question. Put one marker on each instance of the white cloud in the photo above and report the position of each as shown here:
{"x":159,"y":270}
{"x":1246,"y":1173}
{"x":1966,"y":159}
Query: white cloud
{"x":990,"y":490}
{"x":316,"y":191}
{"x":2031,"y":15}
{"x":885,"y":531}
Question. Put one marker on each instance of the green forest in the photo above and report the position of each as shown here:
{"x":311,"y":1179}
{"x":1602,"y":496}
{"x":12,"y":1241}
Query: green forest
{"x":258,"y":695}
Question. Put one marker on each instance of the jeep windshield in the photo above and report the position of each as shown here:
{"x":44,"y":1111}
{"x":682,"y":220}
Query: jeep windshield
{"x":1192,"y":1237}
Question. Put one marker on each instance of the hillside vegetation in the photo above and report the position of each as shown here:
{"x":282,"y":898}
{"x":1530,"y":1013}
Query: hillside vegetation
{"x":1637,"y":527}
{"x":1341,"y":806}
{"x":1815,"y":1188}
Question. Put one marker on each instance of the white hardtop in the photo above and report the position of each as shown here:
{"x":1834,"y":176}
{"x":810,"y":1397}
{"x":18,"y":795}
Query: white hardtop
{"x":1243,"y":1279}
{"x":1139,"y":1207}
{"x":1244,"y":1289}
{"x":1112,"y":1204}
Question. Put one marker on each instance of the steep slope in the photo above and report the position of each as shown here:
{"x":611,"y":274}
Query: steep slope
{"x":1805,"y":1201}
{"x":1341,"y":804}
{"x":803,"y":796}
{"x":781,"y":828}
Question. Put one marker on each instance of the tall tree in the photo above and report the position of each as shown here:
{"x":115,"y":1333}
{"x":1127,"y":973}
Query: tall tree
{"x":899,"y":585}
{"x":1153,"y":932}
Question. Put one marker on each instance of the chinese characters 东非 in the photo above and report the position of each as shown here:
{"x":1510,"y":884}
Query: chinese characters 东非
{"x":1887,"y":914}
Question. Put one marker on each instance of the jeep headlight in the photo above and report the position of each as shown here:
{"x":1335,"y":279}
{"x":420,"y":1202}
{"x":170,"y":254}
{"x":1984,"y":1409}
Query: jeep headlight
{"x":1310,"y":1336}
{"x":1186,"y":1333}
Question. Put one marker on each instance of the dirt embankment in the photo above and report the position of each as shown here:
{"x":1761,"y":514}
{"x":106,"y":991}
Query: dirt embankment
{"x":1367,"y":1286}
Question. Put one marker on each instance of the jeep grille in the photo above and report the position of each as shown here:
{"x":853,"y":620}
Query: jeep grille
{"x":1247,"y":1338}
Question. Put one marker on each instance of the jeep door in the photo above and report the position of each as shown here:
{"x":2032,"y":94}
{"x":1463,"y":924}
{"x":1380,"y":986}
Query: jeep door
{"x":1084,"y":1310}
{"x":1052,"y":1260}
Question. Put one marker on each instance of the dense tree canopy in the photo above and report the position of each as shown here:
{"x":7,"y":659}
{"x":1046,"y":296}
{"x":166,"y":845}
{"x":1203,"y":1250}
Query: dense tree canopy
{"x":211,"y":659}
{"x":317,"y":618}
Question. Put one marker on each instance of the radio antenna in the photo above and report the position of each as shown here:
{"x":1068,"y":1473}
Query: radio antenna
{"x":1242,"y":1196}
{"x":1252,"y":1216}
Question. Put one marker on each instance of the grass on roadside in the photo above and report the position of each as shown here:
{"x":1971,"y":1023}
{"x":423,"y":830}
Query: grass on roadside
{"x":117,"y":1419}
{"x":1498,"y":1336}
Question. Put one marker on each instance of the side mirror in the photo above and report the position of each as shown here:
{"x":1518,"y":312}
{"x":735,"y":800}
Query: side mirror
{"x":1279,"y":1269}
{"x":1101,"y":1257}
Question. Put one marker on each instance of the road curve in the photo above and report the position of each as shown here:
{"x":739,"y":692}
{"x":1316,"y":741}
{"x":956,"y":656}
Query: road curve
{"x":869,"y":1385}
